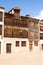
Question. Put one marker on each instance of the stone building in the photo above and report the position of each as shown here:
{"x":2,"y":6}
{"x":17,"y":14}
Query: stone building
{"x":21,"y":38}
{"x":19,"y":33}
{"x":41,"y":34}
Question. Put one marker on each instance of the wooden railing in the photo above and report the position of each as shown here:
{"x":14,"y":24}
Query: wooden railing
{"x":16,"y":33}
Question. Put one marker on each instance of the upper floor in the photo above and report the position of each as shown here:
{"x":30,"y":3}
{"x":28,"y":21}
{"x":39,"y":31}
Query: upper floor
{"x":14,"y":25}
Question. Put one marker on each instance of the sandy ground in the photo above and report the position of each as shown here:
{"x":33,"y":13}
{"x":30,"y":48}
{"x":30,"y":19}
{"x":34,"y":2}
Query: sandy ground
{"x":22,"y":59}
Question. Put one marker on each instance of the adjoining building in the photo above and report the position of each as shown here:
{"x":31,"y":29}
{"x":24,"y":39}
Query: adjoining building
{"x":19,"y":33}
{"x":41,"y":34}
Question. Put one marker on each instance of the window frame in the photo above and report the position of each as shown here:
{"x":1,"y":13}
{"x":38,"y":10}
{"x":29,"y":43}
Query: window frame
{"x":0,"y":47}
{"x":22,"y":43}
{"x":42,"y":47}
{"x":17,"y":43}
{"x":8,"y":50}
{"x":1,"y":17}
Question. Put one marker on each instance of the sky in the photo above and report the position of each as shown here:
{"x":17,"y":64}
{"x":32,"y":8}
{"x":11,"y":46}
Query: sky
{"x":32,"y":7}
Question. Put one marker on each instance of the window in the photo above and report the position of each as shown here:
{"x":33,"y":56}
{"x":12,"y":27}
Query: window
{"x":36,"y":43}
{"x":42,"y":46}
{"x":41,"y":35}
{"x":8,"y":48}
{"x":30,"y":45}
{"x":0,"y":29}
{"x":0,"y":47}
{"x":17,"y":43}
{"x":41,"y":28}
{"x":1,"y":16}
{"x":23,"y":43}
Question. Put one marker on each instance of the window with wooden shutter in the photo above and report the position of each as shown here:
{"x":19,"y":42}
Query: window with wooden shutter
{"x":23,"y":43}
{"x":0,"y":47}
{"x":17,"y":43}
{"x":8,"y":48}
{"x":42,"y":46}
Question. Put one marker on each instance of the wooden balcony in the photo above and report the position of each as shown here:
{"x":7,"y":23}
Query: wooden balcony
{"x":15,"y":33}
{"x":15,"y":22}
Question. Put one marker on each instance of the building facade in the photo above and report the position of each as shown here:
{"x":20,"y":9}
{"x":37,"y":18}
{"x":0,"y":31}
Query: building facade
{"x":41,"y":34}
{"x":19,"y":33}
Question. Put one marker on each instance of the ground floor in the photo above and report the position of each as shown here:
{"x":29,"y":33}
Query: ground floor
{"x":20,"y":51}
{"x":19,"y":45}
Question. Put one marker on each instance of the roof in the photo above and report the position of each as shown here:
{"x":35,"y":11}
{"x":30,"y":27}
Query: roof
{"x":2,"y":7}
{"x":17,"y":8}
